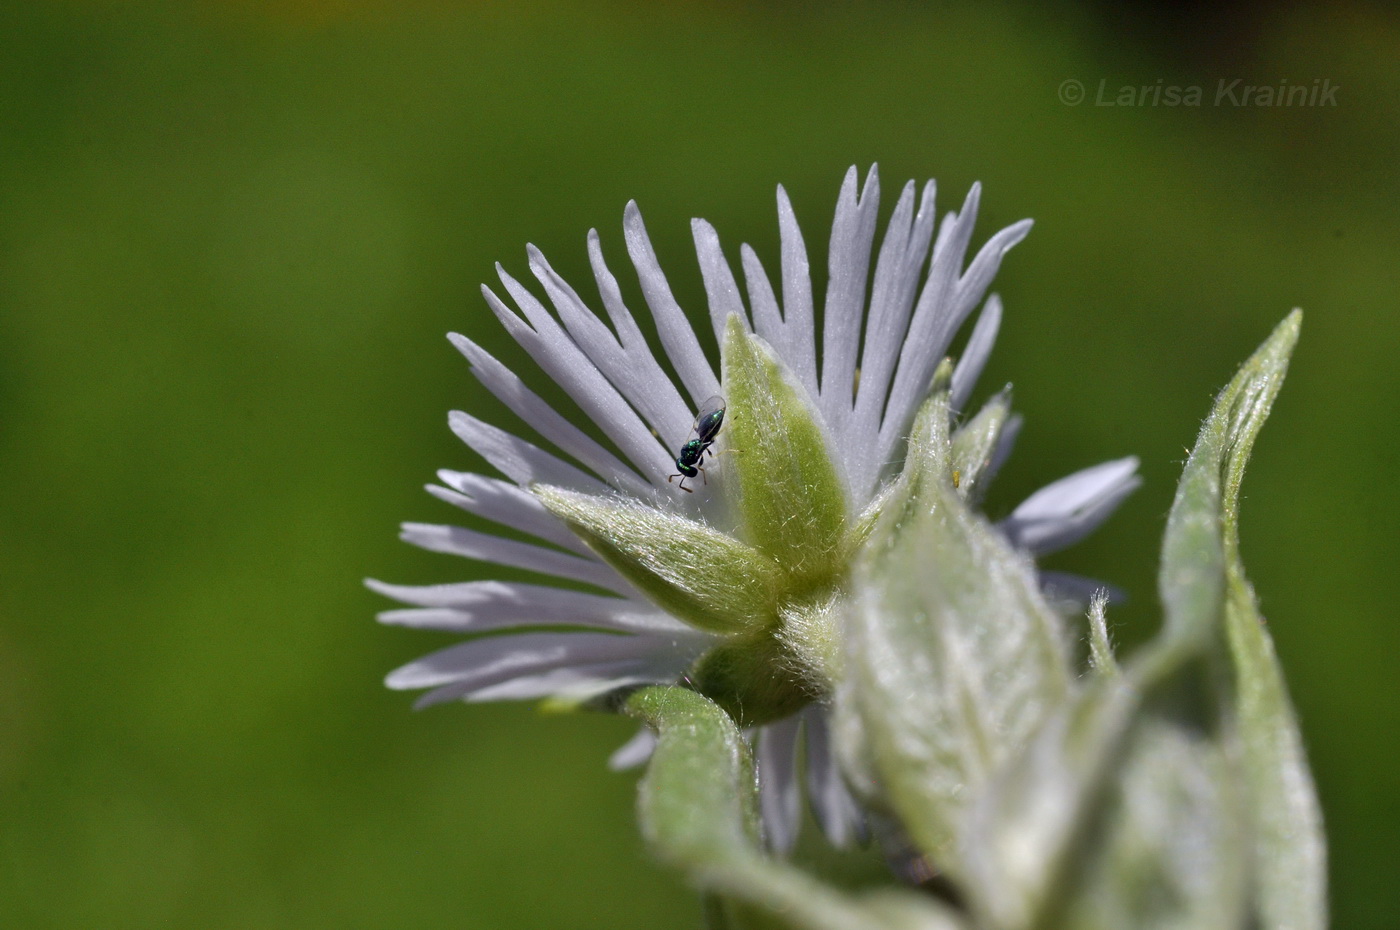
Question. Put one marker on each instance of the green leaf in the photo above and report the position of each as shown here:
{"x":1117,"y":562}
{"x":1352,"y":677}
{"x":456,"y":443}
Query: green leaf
{"x":1204,"y":514}
{"x":698,"y":809}
{"x":1042,"y":850}
{"x":1166,"y":851}
{"x":1290,"y":848}
{"x":952,"y":657}
{"x":1204,"y":585}
{"x":752,"y":678}
{"x":696,"y":573}
{"x":792,"y":501}
{"x":1023,"y":834}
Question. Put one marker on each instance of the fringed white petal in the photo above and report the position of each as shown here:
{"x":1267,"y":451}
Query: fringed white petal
{"x":836,"y":810}
{"x":848,"y":266}
{"x":897,"y":273}
{"x":721,"y":290}
{"x":490,"y":660}
{"x":637,"y":373}
{"x":635,"y":751}
{"x":973,"y":285}
{"x":779,"y":800}
{"x":456,"y":540}
{"x":677,"y":336}
{"x":506,"y":504}
{"x":975,"y":355}
{"x":518,"y":460}
{"x":799,"y":314}
{"x":944,"y":304}
{"x":570,"y":684}
{"x":645,"y":387}
{"x":482,"y":606}
{"x":767,"y":315}
{"x":465,"y":595}
{"x":545,"y":420}
{"x":1062,"y":513}
{"x":561,"y":358}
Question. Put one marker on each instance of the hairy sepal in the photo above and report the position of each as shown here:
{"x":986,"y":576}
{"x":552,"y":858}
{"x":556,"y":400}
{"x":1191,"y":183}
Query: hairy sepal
{"x":701,"y":576}
{"x":792,"y":500}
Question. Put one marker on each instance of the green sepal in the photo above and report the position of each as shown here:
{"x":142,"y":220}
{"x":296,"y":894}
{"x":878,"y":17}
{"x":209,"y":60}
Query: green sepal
{"x":1166,"y":849}
{"x":792,"y":501}
{"x":697,"y":574}
{"x":753,"y":679}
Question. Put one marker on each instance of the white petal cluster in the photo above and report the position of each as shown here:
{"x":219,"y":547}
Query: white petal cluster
{"x":883,"y":335}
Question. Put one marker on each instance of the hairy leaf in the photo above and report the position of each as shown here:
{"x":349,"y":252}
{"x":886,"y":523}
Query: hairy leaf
{"x":1205,"y":590}
{"x":952,"y":658}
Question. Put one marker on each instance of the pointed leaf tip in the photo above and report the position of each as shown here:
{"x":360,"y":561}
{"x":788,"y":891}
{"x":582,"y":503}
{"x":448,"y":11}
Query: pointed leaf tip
{"x":1208,"y":598}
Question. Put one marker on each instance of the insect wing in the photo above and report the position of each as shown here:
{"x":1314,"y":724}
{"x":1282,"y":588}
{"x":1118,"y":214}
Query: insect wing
{"x":708,"y":420}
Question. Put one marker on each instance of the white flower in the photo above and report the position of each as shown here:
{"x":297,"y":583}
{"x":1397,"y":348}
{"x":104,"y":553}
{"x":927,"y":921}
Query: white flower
{"x":876,"y":363}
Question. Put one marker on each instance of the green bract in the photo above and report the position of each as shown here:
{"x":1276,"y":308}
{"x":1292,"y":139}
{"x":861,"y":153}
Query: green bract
{"x":975,"y":444}
{"x":710,"y":580}
{"x":792,"y":502}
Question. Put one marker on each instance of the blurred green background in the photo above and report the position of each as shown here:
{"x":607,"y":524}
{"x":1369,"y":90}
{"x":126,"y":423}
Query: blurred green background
{"x":233,"y":235}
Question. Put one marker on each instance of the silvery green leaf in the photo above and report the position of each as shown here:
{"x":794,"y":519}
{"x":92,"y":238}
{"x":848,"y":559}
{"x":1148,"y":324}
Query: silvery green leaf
{"x":698,"y":809}
{"x":710,"y":580}
{"x":792,"y":501}
{"x":1020,"y":838}
{"x":952,"y":658}
{"x":1031,"y":837}
{"x":1203,"y":582}
{"x":1290,"y":849}
{"x":1164,"y":853}
{"x":1205,"y":512}
{"x":1115,"y":814}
